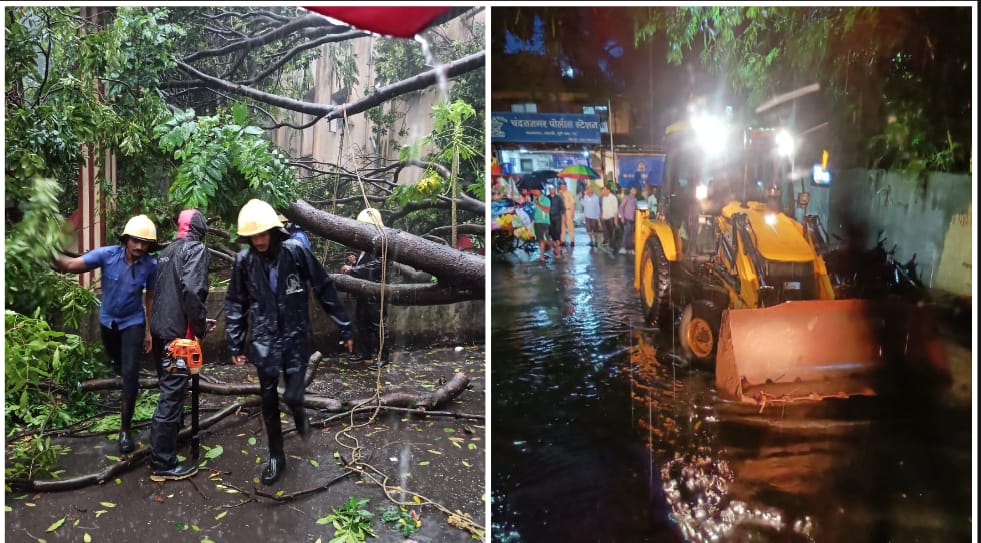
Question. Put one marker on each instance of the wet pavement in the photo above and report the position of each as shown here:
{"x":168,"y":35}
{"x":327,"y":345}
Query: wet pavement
{"x":599,"y":436}
{"x":440,"y":458}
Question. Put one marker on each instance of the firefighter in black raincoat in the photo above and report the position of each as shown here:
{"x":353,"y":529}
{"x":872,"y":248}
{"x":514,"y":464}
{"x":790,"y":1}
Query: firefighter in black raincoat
{"x":179,"y":312}
{"x":369,"y":332}
{"x":268,"y":296}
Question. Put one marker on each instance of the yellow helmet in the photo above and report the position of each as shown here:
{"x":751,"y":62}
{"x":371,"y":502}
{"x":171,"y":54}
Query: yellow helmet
{"x":256,"y":217}
{"x":371,"y":215}
{"x":140,"y":227}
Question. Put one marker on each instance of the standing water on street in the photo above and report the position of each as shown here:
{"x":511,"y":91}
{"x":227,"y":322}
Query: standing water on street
{"x":601,"y":434}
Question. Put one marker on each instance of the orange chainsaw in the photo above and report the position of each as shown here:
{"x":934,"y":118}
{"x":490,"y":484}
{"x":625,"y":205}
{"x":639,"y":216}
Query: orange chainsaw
{"x":185,"y":356}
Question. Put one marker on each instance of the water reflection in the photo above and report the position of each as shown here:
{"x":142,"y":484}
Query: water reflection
{"x":599,"y":436}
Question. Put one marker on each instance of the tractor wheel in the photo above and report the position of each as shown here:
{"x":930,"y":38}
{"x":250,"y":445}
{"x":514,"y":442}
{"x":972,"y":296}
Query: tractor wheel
{"x":698,"y":332}
{"x":655,"y":281}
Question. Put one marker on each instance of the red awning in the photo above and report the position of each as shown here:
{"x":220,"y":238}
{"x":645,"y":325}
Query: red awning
{"x":403,"y":22}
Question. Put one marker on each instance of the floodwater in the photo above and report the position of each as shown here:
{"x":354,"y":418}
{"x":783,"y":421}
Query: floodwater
{"x":599,"y":436}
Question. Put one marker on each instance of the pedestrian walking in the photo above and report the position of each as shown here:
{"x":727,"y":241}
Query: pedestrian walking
{"x":610,"y":208}
{"x":128,"y":275}
{"x":267,"y":311}
{"x":591,"y":211}
{"x":556,"y":215}
{"x":628,"y":211}
{"x":568,"y":219}
{"x":542,"y":207}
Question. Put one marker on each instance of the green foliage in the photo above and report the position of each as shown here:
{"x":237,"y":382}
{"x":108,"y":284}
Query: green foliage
{"x":31,"y":246}
{"x":146,"y":403}
{"x":905,"y":143}
{"x":224,"y":163}
{"x":56,"y":61}
{"x":452,"y":141}
{"x":892,"y":76}
{"x":344,"y":62}
{"x":44,"y":369}
{"x":352,"y":522}
{"x":401,"y":520}
{"x":34,"y":456}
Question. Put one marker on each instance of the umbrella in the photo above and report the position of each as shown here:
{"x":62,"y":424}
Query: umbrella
{"x":578,"y":171}
{"x":536,"y":180}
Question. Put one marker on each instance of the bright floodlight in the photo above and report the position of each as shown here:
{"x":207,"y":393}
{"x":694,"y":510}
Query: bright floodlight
{"x":710,"y":132}
{"x":701,"y":192}
{"x":770,"y":219}
{"x":785,"y":143}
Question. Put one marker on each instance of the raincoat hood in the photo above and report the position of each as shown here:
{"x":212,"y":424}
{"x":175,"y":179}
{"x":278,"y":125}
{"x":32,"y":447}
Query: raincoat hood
{"x":191,"y":225}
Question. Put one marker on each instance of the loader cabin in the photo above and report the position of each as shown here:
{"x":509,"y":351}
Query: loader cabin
{"x":723,"y":182}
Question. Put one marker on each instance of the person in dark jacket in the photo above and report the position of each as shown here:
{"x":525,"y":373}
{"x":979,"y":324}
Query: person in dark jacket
{"x":556,"y":214}
{"x":367,"y":313}
{"x":268,"y":304}
{"x":296,"y":231}
{"x":127,"y":272}
{"x":179,"y":312}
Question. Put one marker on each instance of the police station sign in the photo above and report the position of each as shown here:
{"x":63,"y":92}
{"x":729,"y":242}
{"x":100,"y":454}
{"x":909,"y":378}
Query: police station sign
{"x":544,"y":128}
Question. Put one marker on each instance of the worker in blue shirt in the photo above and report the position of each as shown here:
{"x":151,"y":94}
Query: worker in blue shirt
{"x":127,"y":272}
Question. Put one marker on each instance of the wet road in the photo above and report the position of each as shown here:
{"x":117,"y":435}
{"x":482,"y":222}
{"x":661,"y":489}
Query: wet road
{"x":597,"y":436}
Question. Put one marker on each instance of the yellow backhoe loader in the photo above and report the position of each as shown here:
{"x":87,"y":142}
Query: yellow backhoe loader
{"x":721,"y":263}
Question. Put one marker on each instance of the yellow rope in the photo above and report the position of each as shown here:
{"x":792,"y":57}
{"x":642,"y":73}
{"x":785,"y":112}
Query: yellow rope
{"x":458,"y":519}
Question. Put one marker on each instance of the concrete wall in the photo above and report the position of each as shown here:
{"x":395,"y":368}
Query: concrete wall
{"x":929,"y":215}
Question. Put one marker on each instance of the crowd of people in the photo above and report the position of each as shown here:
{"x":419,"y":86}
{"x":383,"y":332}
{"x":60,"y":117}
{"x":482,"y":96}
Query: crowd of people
{"x":609,"y":218}
{"x":148,"y":303}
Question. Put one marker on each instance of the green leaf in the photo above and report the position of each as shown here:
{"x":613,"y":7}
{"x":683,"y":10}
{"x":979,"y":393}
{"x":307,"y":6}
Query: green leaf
{"x":107,"y":504}
{"x":215,"y":452}
{"x":56,"y":524}
{"x":86,"y":538}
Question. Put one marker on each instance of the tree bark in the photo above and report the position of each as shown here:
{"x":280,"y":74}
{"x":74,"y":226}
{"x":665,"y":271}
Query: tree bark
{"x":452,"y":267}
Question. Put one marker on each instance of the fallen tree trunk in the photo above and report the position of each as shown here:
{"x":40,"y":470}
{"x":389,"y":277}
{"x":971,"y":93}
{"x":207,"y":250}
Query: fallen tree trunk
{"x":445,"y":393}
{"x":453,"y":388}
{"x":452,"y":267}
{"x":132,"y":460}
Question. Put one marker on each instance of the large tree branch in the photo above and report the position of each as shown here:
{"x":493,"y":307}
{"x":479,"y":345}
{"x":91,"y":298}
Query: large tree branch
{"x":417,"y":82}
{"x":463,"y":202}
{"x":412,"y":294}
{"x":449,"y":265}
{"x":414,"y":83}
{"x":294,"y":25}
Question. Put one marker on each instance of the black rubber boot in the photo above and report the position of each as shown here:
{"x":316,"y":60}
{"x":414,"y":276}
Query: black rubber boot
{"x":273,"y":469}
{"x":301,"y":421}
{"x":274,"y":431}
{"x":126,"y":444}
{"x":176,"y":473}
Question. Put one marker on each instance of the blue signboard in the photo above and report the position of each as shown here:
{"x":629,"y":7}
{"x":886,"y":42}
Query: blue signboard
{"x":638,"y":170}
{"x":544,"y":128}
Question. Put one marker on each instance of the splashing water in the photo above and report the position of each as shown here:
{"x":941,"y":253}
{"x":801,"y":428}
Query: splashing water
{"x":443,"y":84}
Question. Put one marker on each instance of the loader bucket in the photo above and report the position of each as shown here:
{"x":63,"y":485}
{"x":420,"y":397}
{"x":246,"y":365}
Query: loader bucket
{"x":828,"y":348}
